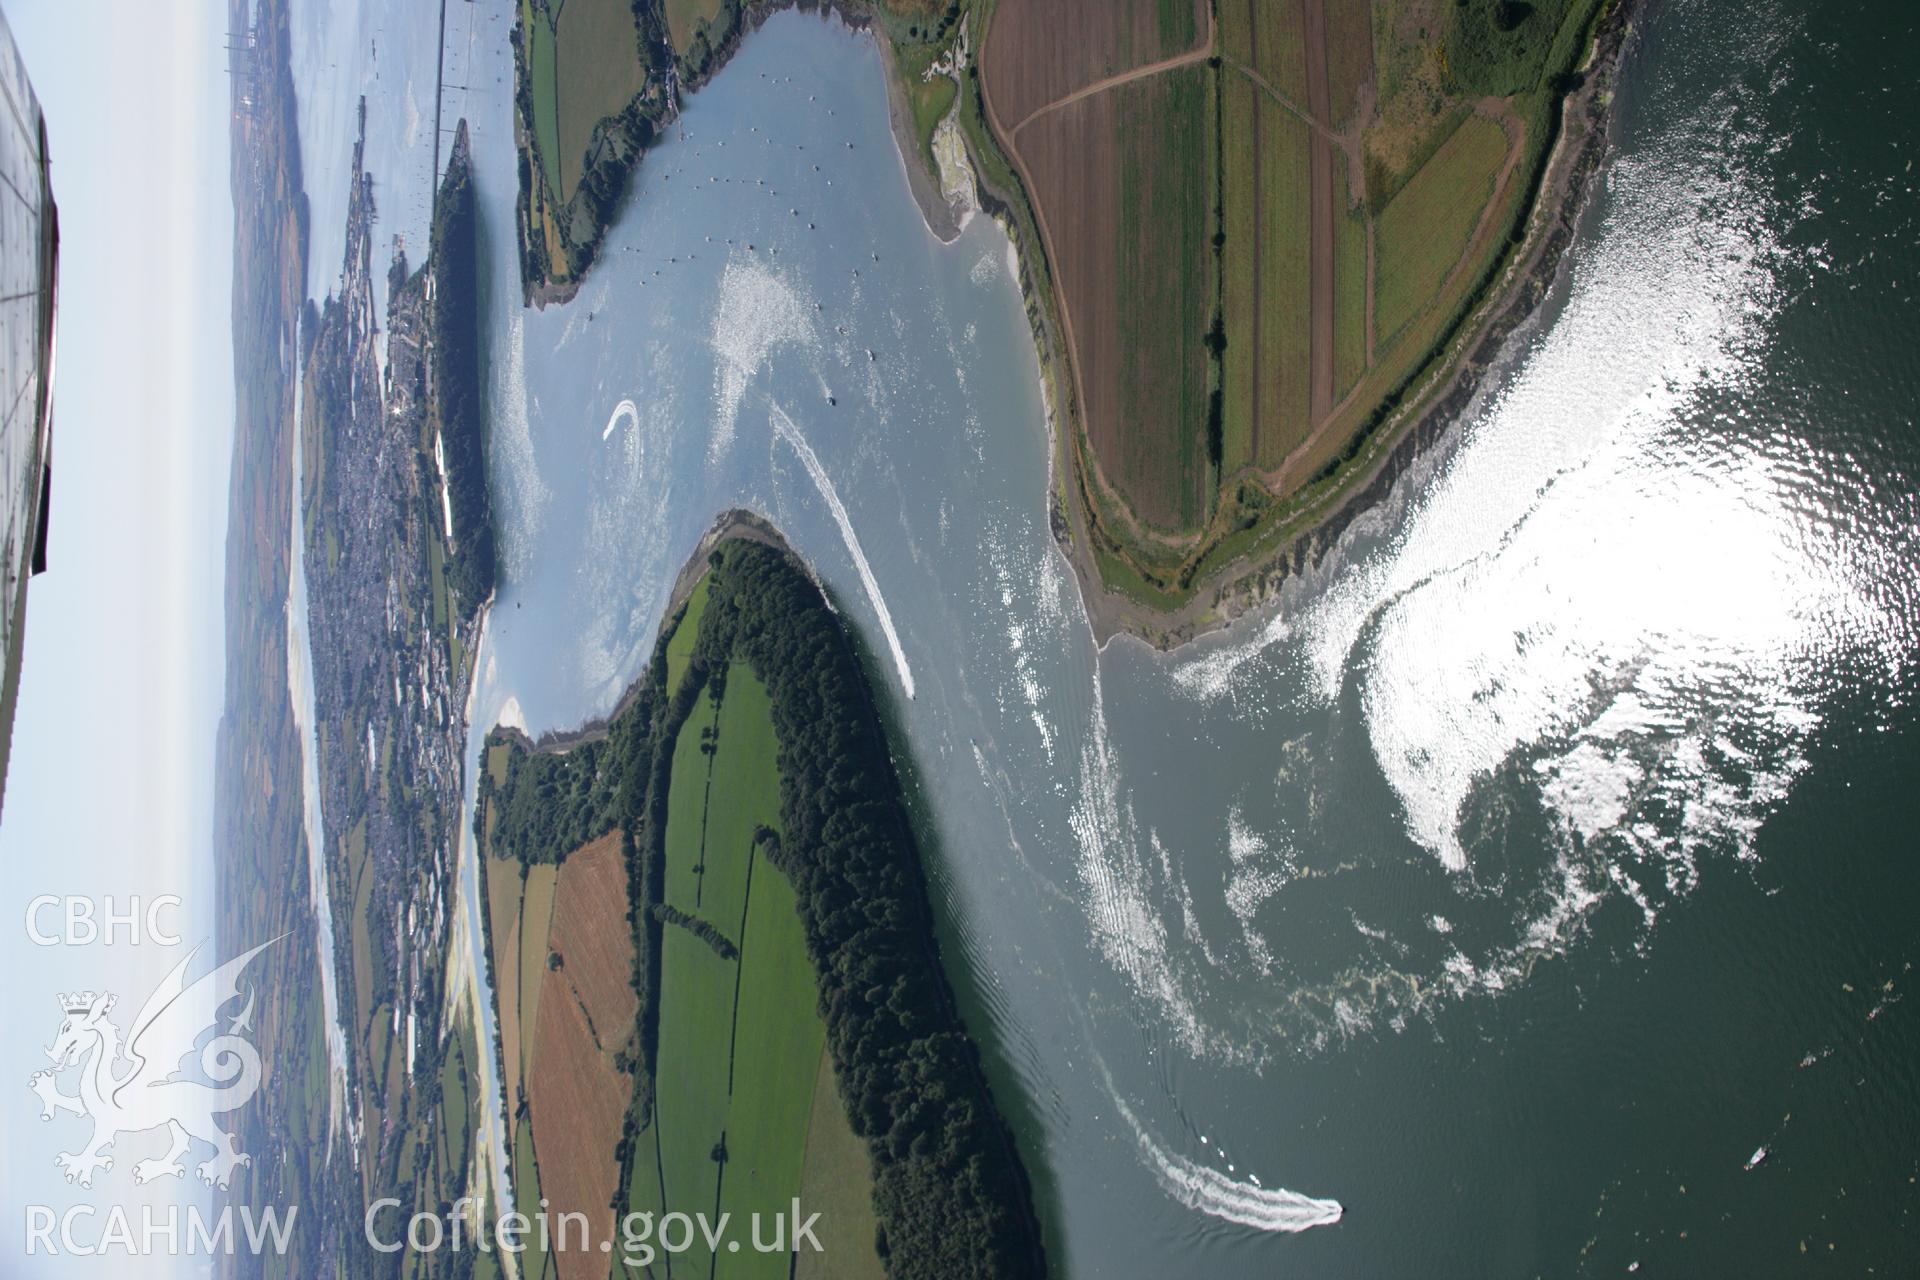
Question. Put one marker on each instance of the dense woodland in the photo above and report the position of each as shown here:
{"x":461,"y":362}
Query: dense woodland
{"x":457,"y":380}
{"x":950,"y":1193}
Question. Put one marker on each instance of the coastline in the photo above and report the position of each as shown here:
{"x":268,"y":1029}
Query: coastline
{"x":942,"y":219}
{"x":1438,"y":399}
{"x":737,"y":523}
{"x":993,"y":1187}
{"x":1298,"y":538}
{"x":938,"y":214}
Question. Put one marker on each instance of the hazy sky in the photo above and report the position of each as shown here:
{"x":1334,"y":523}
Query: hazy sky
{"x":111,"y":784}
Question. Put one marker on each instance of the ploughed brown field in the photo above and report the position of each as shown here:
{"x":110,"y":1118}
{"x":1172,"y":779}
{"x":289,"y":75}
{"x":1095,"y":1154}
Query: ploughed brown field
{"x":1305,"y":171}
{"x":591,"y":936}
{"x":578,"y":1101}
{"x":582,"y":1014}
{"x":1138,"y":284}
{"x":1044,"y":50}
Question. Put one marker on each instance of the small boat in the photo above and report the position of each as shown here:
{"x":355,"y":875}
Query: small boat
{"x":1754,"y":1160}
{"x":869,"y":355}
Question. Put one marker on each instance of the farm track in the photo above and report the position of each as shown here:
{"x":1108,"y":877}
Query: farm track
{"x":1288,"y":472}
{"x":1193,"y":55}
{"x":1325,"y":408}
{"x":1320,"y":252}
{"x":1049,"y":244}
{"x":1259,"y":196}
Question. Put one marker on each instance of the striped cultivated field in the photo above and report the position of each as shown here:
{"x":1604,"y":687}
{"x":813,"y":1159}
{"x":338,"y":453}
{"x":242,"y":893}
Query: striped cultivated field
{"x":1047,"y":50}
{"x":1137,"y":272}
{"x":1263,"y":221}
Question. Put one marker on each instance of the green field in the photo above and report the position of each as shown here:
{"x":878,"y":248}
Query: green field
{"x":584,"y":64}
{"x":746,"y":793}
{"x":687,"y":802}
{"x":597,"y":57}
{"x":680,"y":643}
{"x":1266,"y":37}
{"x":536,"y":919}
{"x":546,"y":102}
{"x":643,"y":1185}
{"x":1162,"y":290}
{"x":731,"y":1031}
{"x":684,"y":18}
{"x":696,"y":1037}
{"x":838,"y":1183}
{"x":1425,"y":229}
{"x":776,"y":1028}
{"x":1286,"y":246}
{"x":526,"y":1191}
{"x":1349,"y":287}
{"x":1239,"y":100}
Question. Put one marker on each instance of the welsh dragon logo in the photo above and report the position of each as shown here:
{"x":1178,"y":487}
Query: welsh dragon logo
{"x":135,"y":1086}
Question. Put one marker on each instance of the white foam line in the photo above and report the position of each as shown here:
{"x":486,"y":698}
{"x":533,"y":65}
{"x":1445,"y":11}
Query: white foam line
{"x":791,"y":434}
{"x":1215,"y":1194}
{"x":625,"y":409}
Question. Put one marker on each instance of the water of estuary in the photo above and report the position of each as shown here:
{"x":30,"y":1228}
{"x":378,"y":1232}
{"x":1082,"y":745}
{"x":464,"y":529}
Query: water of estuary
{"x":1545,"y":853}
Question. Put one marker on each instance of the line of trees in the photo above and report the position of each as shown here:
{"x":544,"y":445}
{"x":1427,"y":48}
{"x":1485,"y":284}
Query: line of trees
{"x":705,"y":930}
{"x":950,"y":1193}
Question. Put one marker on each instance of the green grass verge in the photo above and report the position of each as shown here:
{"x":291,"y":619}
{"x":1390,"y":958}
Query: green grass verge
{"x":686,"y":809}
{"x":837,"y":1182}
{"x":680,"y":643}
{"x":1349,"y":287}
{"x":526,"y":1196}
{"x":1425,"y":228}
{"x":597,"y":72}
{"x":546,"y":103}
{"x":745,"y":794}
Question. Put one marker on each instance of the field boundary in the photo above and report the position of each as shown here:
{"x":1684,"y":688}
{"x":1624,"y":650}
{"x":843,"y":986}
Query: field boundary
{"x":1166,"y":587}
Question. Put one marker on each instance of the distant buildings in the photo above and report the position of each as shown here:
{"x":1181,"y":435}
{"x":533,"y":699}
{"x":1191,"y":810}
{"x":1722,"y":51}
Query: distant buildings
{"x":29,"y":255}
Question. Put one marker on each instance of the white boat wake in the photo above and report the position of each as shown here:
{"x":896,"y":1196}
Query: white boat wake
{"x":783,"y":425}
{"x":1214,"y":1193}
{"x":625,"y":409}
